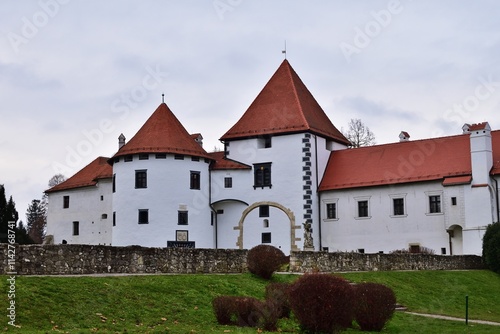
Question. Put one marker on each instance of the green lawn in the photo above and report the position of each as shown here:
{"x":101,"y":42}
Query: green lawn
{"x":182,"y":303}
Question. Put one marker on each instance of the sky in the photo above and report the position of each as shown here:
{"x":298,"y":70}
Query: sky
{"x":75,"y":74}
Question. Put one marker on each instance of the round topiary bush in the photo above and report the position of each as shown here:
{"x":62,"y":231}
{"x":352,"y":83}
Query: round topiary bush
{"x":264,"y":260}
{"x":322,"y":303}
{"x":491,"y":247}
{"x":277,"y":294}
{"x":245,"y":312}
{"x":374,"y":305}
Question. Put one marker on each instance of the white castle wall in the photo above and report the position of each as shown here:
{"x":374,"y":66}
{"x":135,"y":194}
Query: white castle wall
{"x":168,"y":191}
{"x":383,"y":232}
{"x":85,"y":207}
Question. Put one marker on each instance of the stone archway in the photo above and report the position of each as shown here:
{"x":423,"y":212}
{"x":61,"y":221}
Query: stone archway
{"x":288,"y":212}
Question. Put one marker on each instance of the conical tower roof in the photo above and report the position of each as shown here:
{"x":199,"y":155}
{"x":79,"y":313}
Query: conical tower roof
{"x":284,"y":106}
{"x":162,"y":133}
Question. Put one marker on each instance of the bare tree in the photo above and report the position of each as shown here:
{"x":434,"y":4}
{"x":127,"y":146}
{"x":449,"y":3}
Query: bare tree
{"x":358,"y":134}
{"x":56,"y":179}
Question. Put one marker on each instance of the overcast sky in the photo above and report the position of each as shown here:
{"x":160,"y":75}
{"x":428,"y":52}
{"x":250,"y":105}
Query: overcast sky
{"x":75,"y":74}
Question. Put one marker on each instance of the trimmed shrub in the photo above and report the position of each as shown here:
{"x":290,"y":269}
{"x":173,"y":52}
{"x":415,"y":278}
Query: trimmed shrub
{"x":277,"y":293}
{"x":491,"y":247}
{"x":322,"y":303}
{"x":264,"y":260}
{"x":225,"y":308}
{"x":245,"y":312}
{"x":374,"y":305}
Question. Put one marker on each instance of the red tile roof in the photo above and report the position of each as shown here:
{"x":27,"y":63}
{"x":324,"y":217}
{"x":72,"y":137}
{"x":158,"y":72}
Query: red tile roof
{"x":495,"y":138}
{"x":413,"y":161}
{"x":222,"y":163}
{"x":455,"y":180}
{"x":162,"y":133}
{"x":87,"y":176}
{"x":284,"y":105}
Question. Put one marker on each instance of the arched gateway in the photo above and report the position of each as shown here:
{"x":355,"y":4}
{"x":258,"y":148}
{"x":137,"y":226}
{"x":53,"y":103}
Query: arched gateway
{"x":288,"y":212}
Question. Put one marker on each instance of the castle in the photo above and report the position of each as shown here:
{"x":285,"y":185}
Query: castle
{"x":287,"y":178}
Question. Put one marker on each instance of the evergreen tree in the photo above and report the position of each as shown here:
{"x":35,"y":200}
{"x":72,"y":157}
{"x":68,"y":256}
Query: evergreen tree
{"x":36,"y":220}
{"x":22,"y":236}
{"x":3,"y":208}
{"x":7,"y":213}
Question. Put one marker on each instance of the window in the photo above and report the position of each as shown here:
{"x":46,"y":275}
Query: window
{"x":434,"y":204}
{"x":104,"y":216}
{"x":143,"y":216}
{"x":65,"y":202}
{"x":76,"y":228}
{"x":194,"y":180}
{"x":178,"y":157}
{"x":128,"y":158}
{"x":264,"y":142}
{"x":262,"y":175}
{"x":182,"y":218}
{"x":453,"y":201}
{"x":331,"y":210}
{"x":266,"y":238}
{"x":143,"y":156}
{"x":161,"y":156}
{"x":102,"y":198}
{"x":114,"y":218}
{"x":195,"y":158}
{"x":264,"y":211}
{"x":141,"y":179}
{"x":114,"y":183}
{"x":361,"y":250}
{"x":265,"y":223}
{"x":228,"y":182}
{"x":362,"y":209}
{"x":117,"y":159}
{"x":398,"y":206}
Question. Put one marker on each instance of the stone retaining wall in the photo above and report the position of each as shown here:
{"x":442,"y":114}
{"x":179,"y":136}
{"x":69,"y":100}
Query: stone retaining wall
{"x":87,"y":259}
{"x":334,"y":262}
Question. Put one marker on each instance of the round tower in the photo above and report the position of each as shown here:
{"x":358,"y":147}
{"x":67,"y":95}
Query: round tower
{"x":161,"y":187}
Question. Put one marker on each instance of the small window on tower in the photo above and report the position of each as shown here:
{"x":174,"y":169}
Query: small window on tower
{"x":195,"y":180}
{"x":76,"y":228}
{"x":143,"y":216}
{"x":182,"y":218}
{"x":264,"y":211}
{"x":65,"y":202}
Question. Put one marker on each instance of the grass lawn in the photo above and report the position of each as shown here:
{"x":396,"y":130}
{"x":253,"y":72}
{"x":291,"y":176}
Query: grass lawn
{"x":182,"y":303}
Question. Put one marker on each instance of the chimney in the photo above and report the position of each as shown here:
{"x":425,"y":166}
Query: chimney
{"x":198,"y":138}
{"x":404,"y":136}
{"x":121,"y":141}
{"x":481,"y":151}
{"x":466,"y":129}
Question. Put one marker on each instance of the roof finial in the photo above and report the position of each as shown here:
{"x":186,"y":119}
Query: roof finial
{"x":162,"y":98}
{"x":284,"y":51}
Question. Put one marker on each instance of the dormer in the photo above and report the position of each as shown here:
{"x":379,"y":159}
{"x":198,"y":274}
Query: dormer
{"x":404,"y":136}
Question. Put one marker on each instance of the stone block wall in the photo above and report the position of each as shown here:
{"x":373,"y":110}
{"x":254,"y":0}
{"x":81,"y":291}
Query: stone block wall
{"x":338,"y":262}
{"x":88,"y":259}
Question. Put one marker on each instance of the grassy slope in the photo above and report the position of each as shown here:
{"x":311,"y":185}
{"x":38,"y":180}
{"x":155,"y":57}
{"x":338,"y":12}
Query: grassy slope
{"x":182,"y":303}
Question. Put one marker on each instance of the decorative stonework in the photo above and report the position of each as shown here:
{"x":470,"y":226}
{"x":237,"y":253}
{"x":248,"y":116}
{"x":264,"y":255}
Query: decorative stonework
{"x":288,"y":212}
{"x":306,"y":177}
